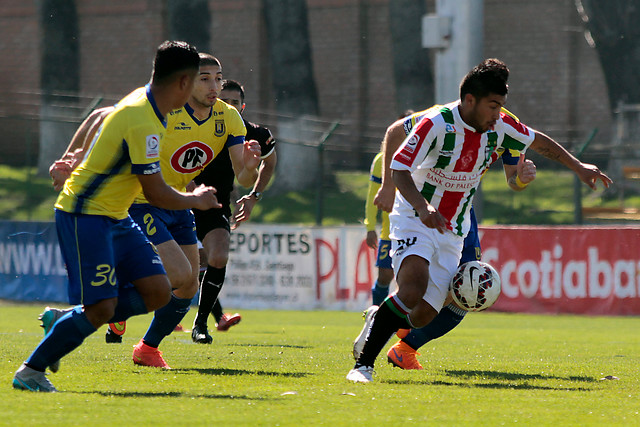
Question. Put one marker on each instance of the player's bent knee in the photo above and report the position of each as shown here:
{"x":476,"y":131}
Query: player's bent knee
{"x":100,"y":313}
{"x":422,"y":314}
{"x":155,"y":291}
{"x":218,"y":260}
{"x":187,"y":291}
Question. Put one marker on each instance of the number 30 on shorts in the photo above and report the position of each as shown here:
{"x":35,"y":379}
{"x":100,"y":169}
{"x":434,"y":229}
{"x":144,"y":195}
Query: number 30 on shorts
{"x":104,"y":274}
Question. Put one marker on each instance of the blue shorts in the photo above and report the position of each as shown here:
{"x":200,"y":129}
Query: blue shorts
{"x":102,"y":255}
{"x":471,"y":250}
{"x":384,"y":257}
{"x":161,"y":225}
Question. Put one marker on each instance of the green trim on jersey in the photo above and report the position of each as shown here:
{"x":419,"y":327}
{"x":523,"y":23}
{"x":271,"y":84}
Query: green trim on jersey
{"x":449,"y":140}
{"x":465,"y":207}
{"x":512,"y":143}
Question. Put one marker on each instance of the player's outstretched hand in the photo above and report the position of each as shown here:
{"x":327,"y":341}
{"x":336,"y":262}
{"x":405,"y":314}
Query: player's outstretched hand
{"x":243,"y":209}
{"x":205,"y":198}
{"x":60,"y":171}
{"x":526,"y":170}
{"x":590,"y":174}
{"x":385,"y":197}
{"x":433,"y":219}
{"x":251,"y":154}
{"x":372,"y":239}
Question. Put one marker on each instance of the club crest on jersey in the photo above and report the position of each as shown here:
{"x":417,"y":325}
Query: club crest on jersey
{"x":153,"y":146}
{"x":219,"y":128}
{"x":191,"y":157}
{"x":449,"y":128}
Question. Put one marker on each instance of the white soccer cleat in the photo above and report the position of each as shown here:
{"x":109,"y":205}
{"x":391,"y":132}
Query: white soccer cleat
{"x":361,"y":374}
{"x":358,"y":344}
{"x":32,"y":380}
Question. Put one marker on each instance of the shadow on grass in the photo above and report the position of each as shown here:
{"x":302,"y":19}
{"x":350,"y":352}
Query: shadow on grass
{"x":501,"y":380}
{"x":139,"y":394}
{"x":268,"y":345}
{"x":223,"y":371}
{"x":513,"y":376}
{"x":495,"y":385}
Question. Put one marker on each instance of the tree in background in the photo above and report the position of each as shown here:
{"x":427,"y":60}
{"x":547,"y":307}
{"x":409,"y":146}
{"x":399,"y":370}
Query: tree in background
{"x":412,"y":70}
{"x":190,"y":21}
{"x":59,"y":78}
{"x":295,"y":92}
{"x":612,"y":27}
{"x":290,"y":52}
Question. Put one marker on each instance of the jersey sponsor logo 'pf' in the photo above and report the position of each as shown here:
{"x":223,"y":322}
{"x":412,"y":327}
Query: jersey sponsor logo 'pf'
{"x":191,"y":157}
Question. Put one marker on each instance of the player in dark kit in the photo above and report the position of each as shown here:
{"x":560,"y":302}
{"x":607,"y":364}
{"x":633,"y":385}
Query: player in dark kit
{"x":213,"y":227}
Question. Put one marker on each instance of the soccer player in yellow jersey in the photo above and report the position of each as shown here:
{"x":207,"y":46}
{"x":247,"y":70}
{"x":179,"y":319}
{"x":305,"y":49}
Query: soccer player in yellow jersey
{"x":213,"y":226}
{"x":114,"y":272}
{"x":380,"y":288}
{"x":197,"y":133}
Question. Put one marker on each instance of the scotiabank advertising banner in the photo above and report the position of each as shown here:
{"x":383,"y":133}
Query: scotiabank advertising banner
{"x":565,"y":269}
{"x":585,"y":270}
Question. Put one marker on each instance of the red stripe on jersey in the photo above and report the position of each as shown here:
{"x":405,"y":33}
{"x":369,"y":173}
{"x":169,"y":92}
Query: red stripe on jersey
{"x":410,"y":150}
{"x":469,"y":154}
{"x":449,"y":204}
{"x":514,"y":124}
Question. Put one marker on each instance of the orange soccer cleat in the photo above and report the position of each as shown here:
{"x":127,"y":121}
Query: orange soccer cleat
{"x":403,"y":356}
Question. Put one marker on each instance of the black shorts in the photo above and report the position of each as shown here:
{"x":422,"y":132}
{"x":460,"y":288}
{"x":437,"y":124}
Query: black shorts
{"x":211,"y":220}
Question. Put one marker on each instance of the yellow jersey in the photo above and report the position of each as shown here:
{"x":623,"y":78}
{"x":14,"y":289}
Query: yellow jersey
{"x":126,"y":145}
{"x":371,"y":211}
{"x":191,"y":144}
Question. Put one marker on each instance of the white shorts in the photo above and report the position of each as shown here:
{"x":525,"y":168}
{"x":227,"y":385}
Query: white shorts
{"x":409,"y":236}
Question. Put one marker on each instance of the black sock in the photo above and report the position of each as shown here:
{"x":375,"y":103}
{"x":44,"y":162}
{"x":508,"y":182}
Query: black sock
{"x":389,"y":318}
{"x":216,"y":311}
{"x":210,"y":287}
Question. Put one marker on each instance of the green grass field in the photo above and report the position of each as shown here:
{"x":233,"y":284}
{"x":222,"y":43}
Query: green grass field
{"x":288,"y":368}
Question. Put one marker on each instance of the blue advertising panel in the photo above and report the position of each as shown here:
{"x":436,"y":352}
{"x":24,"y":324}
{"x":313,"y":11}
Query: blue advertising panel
{"x":31,"y":265}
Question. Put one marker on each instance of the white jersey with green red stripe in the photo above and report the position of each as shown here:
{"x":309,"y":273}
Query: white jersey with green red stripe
{"x":447,"y":158}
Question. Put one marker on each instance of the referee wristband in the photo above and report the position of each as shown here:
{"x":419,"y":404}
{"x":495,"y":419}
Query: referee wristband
{"x":519,"y":183}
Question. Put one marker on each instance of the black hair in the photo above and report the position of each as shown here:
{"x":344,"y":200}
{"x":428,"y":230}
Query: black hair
{"x":233,"y":85}
{"x":208,"y":60}
{"x":490,"y":76}
{"x":172,"y":57}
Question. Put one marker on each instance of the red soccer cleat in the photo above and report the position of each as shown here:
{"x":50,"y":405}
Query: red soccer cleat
{"x":227,"y":321}
{"x":148,"y":356}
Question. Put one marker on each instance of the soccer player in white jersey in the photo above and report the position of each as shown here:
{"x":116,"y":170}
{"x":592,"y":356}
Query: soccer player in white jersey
{"x":518,"y":171}
{"x":437,"y":170}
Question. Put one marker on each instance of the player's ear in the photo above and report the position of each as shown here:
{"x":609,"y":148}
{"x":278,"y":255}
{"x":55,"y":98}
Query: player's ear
{"x":469,"y":99}
{"x":185,"y":81}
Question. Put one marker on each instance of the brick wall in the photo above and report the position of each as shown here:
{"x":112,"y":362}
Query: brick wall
{"x":556,"y":80}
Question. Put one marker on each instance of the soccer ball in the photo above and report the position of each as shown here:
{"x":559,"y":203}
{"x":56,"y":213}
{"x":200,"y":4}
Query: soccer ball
{"x":475,"y":286}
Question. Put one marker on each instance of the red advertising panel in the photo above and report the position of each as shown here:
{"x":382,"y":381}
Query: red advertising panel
{"x":581,"y":270}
